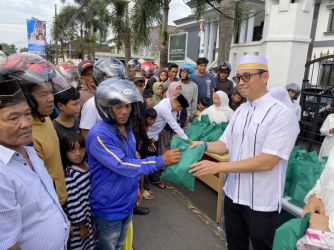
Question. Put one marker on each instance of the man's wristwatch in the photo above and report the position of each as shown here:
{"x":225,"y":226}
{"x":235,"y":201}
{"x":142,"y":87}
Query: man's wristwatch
{"x":205,"y":146}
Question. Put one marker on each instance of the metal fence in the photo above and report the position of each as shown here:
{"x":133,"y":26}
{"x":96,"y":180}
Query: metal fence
{"x":317,"y":99}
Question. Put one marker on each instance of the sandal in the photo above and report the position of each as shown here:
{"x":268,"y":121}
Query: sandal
{"x":147,"y":195}
{"x":160,"y":185}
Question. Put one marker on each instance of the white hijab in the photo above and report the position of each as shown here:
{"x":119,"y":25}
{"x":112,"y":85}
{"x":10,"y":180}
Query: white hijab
{"x":281,"y":94}
{"x":223,"y":113}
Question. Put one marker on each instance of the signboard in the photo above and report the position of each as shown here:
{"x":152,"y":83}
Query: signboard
{"x":177,"y":49}
{"x":36,"y":36}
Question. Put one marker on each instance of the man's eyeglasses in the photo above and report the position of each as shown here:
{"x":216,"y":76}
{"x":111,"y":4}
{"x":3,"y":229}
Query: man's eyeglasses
{"x":245,"y":77}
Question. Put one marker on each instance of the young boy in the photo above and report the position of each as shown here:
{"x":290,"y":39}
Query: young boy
{"x":148,"y":148}
{"x":68,"y":102}
{"x":236,"y":99}
{"x":189,"y":90}
{"x":206,"y":82}
{"x":173,"y":69}
{"x":202,"y":104}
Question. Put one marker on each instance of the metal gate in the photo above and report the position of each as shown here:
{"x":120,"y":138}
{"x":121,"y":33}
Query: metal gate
{"x":317,"y":99}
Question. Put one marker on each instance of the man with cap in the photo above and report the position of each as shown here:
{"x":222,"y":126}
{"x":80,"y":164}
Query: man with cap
{"x":259,"y":140}
{"x":167,"y":114}
{"x":88,"y":87}
{"x":30,"y":214}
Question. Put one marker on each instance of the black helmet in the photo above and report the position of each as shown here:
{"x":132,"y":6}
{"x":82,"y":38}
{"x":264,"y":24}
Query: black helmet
{"x":224,"y":65}
{"x":108,"y":68}
{"x":32,"y":70}
{"x":112,"y":92}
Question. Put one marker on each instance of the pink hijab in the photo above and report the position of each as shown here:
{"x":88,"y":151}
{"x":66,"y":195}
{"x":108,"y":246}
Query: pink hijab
{"x":171,"y":91}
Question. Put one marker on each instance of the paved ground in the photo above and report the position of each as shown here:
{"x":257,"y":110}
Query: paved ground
{"x":175,"y":223}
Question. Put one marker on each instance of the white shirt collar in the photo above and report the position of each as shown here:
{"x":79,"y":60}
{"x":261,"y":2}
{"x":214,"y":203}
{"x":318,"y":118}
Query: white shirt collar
{"x":6,"y":154}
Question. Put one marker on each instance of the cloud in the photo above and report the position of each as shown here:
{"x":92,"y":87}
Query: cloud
{"x":14,"y":13}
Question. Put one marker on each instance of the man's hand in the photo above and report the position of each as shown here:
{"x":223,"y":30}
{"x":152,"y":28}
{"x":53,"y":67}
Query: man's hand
{"x":331,"y":131}
{"x":196,"y":143}
{"x":319,"y":222}
{"x":84,"y":232}
{"x":314,"y":205}
{"x":171,"y":157}
{"x":204,"y":167}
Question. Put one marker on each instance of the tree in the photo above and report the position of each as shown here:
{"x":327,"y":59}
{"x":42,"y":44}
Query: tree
{"x":8,"y":48}
{"x":231,"y":15}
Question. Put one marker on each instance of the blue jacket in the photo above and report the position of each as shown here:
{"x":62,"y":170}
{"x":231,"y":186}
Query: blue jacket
{"x":115,"y":171}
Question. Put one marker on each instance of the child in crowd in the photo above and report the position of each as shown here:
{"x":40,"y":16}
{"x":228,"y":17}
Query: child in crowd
{"x":78,"y":187}
{"x":201,"y":106}
{"x":327,"y":130}
{"x":140,"y":83}
{"x":163,"y":76}
{"x":148,"y":149}
{"x":148,"y":98}
{"x":206,"y":82}
{"x":68,"y":102}
{"x":157,"y":92}
{"x":189,"y":90}
{"x":220,"y":110}
{"x":236,"y":99}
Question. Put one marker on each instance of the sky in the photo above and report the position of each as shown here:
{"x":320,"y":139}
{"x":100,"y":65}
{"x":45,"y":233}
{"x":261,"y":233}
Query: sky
{"x":14,"y":13}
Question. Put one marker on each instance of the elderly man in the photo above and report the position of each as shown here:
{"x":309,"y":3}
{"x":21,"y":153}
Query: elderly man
{"x":259,"y":140}
{"x":30,"y":214}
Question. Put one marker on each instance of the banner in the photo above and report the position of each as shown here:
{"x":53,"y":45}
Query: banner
{"x":177,"y":48}
{"x":36,"y":36}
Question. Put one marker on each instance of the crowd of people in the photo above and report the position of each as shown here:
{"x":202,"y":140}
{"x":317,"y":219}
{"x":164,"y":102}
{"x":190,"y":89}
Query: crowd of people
{"x":81,"y":146}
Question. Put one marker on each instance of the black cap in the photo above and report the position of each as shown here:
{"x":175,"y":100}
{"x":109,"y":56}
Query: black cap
{"x":183,"y":101}
{"x":10,"y":93}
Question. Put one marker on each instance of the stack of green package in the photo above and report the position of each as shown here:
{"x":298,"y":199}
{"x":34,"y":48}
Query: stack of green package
{"x":203,"y":130}
{"x":304,"y":169}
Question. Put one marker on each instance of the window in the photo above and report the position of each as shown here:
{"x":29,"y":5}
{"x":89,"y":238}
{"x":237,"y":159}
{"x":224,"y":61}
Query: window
{"x":327,"y":74}
{"x":331,"y":21}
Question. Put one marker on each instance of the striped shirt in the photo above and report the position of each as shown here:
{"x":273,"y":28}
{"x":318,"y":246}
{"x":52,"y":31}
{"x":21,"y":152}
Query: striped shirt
{"x":30,"y":213}
{"x":264,"y":126}
{"x":78,"y":207}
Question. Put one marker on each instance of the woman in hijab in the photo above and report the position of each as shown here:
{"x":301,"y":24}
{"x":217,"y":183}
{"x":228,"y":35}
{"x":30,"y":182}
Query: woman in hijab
{"x":219,"y":111}
{"x":157,"y":92}
{"x":281,"y":94}
{"x":174,"y":90}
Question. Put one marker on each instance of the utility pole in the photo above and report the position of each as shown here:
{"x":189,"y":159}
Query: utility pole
{"x":56,"y":42}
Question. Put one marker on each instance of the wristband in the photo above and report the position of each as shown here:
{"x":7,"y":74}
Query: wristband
{"x":205,"y":146}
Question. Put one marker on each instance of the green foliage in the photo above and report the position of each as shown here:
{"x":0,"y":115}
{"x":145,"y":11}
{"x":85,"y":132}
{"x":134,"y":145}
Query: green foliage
{"x":8,"y":48}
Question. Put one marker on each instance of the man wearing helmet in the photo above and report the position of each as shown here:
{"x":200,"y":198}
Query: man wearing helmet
{"x":294,"y":92}
{"x":104,"y":68}
{"x":224,"y":84}
{"x":189,"y":89}
{"x":40,"y":80}
{"x":88,"y":87}
{"x":115,"y":170}
{"x":147,"y":69}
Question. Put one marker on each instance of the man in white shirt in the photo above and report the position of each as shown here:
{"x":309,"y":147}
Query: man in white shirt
{"x":167,"y":110}
{"x":259,"y":140}
{"x":30,"y":214}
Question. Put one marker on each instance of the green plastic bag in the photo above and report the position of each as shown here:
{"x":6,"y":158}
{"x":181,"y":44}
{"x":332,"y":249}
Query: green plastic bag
{"x":196,"y":128}
{"x":304,"y":169}
{"x":215,"y":134}
{"x":179,"y":173}
{"x":289,"y":233}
